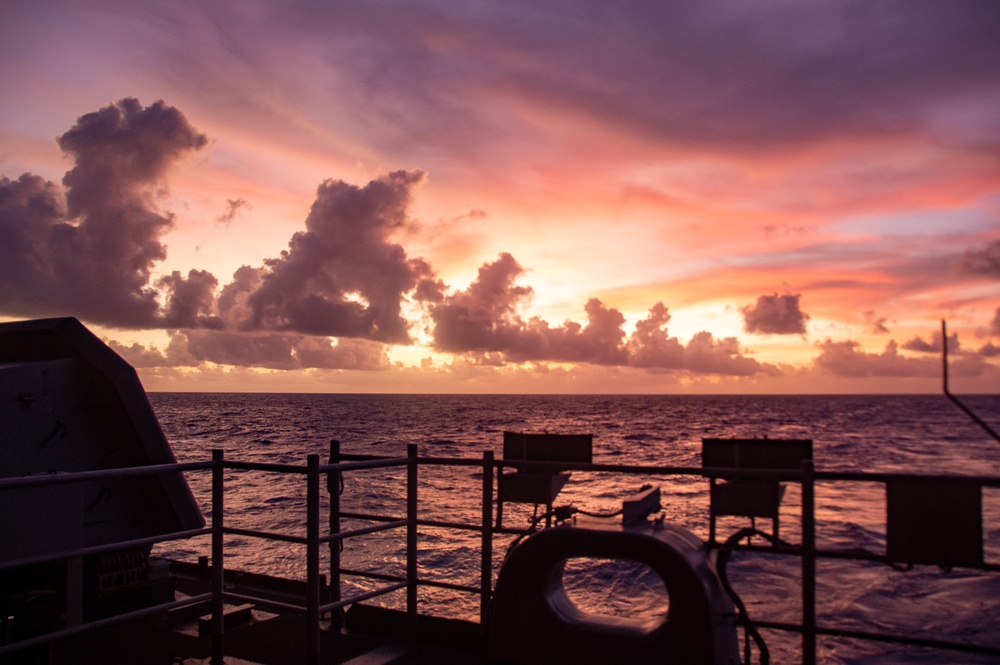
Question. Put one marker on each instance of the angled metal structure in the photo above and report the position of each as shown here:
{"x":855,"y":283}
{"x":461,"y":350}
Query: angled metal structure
{"x":69,"y":403}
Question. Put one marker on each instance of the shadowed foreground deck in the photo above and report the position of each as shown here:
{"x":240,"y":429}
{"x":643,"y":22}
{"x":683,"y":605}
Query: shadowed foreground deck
{"x":370,"y":636}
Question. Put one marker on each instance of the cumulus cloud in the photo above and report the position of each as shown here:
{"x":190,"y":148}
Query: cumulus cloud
{"x":705,"y":354}
{"x":143,"y":357}
{"x":775,"y":315}
{"x":279,"y":350}
{"x":343,"y":276}
{"x":652,"y":347}
{"x":90,"y":251}
{"x":484,"y":316}
{"x":89,"y":247}
{"x":600,"y":341}
{"x":955,"y":350}
{"x":846,"y":358}
{"x":484,"y":320}
{"x":282,"y":351}
{"x":190,"y":300}
{"x":933,"y":345}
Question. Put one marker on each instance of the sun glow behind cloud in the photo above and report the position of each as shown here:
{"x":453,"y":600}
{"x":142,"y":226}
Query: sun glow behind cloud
{"x":621,"y":158}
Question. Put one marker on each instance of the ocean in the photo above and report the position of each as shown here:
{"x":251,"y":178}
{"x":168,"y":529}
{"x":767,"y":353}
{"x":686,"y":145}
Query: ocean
{"x":912,"y":434}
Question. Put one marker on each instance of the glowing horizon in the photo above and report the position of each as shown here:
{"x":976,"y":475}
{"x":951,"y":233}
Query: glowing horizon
{"x":509,"y":200}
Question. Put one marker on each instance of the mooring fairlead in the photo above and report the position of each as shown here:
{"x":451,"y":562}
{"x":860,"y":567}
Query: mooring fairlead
{"x":534,"y":621}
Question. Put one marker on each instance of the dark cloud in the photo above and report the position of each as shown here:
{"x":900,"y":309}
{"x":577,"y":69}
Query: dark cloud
{"x":483,"y":318}
{"x":323,"y":353}
{"x":484,"y":321}
{"x":473,"y":214}
{"x":876,"y":324}
{"x":232,"y":302}
{"x":706,"y":355}
{"x":429,"y":289}
{"x":983,"y":261}
{"x":995,"y":324}
{"x":142,"y":357}
{"x":234,"y":207}
{"x":600,"y":341}
{"x":847,"y":359}
{"x":90,"y":252}
{"x":32,"y":214}
{"x":775,"y":315}
{"x":650,"y":346}
{"x":88,"y":249}
{"x":724,"y":74}
{"x":933,"y":345}
{"x":121,"y":149}
{"x":280,"y":351}
{"x":190,"y":300}
{"x":989,"y":350}
{"x":343,"y":276}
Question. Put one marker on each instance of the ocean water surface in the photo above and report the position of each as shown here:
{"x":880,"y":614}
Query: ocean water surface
{"x":913,"y":434}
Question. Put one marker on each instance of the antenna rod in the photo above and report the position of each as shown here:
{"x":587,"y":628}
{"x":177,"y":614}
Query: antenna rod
{"x":944,"y":373}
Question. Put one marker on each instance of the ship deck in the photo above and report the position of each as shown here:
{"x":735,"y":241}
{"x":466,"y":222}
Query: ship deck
{"x":369,"y":635}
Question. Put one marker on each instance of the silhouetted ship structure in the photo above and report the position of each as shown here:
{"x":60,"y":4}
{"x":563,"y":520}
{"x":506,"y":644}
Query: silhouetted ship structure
{"x":88,"y":485}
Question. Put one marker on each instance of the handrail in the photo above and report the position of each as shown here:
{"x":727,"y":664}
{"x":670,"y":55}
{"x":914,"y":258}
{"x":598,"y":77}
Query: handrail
{"x":60,"y":478}
{"x":344,"y":463}
{"x":101,"y":549}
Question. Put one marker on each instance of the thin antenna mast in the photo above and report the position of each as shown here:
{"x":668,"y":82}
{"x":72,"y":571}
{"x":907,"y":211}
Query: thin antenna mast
{"x":944,"y":374}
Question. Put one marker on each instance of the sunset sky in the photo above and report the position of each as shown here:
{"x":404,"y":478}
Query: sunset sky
{"x":452,"y":196}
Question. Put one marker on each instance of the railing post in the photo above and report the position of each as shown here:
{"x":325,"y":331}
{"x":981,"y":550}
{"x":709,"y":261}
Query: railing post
{"x":74,"y":591}
{"x":218,"y":569}
{"x":808,"y":564}
{"x":333,"y":481}
{"x":411,"y":535}
{"x":486,"y":569}
{"x":312,"y":560}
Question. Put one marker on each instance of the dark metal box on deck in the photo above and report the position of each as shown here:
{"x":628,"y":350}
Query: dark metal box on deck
{"x":540,"y":485}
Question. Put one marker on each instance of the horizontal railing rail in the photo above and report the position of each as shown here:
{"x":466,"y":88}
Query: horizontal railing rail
{"x":314,"y":606}
{"x":78,"y":626}
{"x":62,"y":478}
{"x":97,"y":624}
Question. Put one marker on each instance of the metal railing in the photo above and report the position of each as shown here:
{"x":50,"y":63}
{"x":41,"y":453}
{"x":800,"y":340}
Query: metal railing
{"x":339,"y":464}
{"x":74,"y":557}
